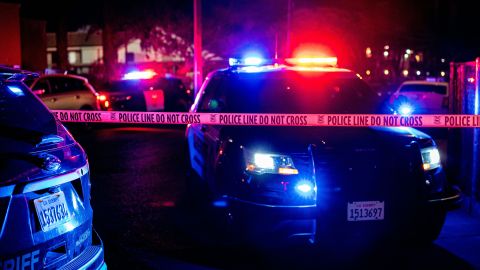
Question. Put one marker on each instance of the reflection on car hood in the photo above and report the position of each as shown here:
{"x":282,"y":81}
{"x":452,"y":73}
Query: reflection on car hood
{"x":297,"y":139}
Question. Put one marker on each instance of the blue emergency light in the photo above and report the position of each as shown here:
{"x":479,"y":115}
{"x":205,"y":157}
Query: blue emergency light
{"x":247,"y":62}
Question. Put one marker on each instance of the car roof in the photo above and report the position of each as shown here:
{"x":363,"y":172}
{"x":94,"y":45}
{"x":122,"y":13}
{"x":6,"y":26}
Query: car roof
{"x":424,"y":82}
{"x":64,"y":76}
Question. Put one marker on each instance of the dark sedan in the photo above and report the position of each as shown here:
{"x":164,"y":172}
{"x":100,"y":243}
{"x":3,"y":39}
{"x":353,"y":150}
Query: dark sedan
{"x":147,"y":94}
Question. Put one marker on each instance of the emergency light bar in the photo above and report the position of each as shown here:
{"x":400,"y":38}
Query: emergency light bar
{"x":313,"y":61}
{"x":247,"y":62}
{"x":137,"y":75}
{"x":301,"y":61}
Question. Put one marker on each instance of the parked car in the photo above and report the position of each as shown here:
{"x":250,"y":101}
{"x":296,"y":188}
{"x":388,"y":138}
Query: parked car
{"x":66,"y":92}
{"x":151,"y":93}
{"x":421,"y":97}
{"x":312,"y":183}
{"x":45,"y":211}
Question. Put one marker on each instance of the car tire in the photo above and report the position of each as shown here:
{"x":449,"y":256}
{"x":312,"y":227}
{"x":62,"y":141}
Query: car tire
{"x":430,"y":225}
{"x":196,"y":190}
{"x":201,"y":200}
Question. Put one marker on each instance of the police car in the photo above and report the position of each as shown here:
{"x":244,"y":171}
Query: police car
{"x":45,"y":211}
{"x":146,"y":91}
{"x":312,"y":183}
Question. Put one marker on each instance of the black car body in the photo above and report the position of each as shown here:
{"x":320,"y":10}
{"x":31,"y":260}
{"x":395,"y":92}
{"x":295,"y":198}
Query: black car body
{"x":313,"y":182}
{"x":45,"y":211}
{"x":150,"y":94}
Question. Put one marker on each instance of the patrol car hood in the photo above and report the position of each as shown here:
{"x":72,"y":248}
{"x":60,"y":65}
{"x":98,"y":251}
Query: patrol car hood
{"x":297,"y":139}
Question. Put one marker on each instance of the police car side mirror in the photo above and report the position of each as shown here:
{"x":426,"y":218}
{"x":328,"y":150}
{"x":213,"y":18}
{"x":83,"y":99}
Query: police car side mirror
{"x":215,"y":105}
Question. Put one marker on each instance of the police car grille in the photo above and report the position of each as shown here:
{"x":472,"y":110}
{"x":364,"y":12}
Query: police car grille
{"x":366,"y":172}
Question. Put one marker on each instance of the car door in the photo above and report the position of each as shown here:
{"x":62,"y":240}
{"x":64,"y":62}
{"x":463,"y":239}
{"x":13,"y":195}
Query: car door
{"x":56,"y":98}
{"x":203,"y":140}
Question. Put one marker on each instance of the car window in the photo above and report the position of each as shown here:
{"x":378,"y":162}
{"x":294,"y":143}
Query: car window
{"x":176,"y":84}
{"x":292,"y":92}
{"x":162,"y":84}
{"x":128,"y":85}
{"x":213,"y":99}
{"x":42,"y":84}
{"x":64,"y":85}
{"x":427,"y":88}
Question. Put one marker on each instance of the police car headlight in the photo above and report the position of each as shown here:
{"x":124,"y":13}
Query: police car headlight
{"x":430,"y":158}
{"x":269,"y":163}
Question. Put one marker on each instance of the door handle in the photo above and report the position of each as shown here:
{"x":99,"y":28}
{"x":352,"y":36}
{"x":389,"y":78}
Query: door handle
{"x":77,"y":97}
{"x":53,"y":99}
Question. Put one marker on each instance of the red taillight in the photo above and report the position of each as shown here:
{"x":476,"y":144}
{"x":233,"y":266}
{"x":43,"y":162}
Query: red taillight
{"x":107,"y":104}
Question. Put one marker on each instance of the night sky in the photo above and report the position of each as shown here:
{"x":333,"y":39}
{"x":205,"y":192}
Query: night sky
{"x":448,"y":27}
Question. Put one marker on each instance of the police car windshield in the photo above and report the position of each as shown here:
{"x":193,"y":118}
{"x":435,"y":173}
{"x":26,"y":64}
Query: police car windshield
{"x":296,"y":92}
{"x":439,"y":89}
{"x":125,"y":85}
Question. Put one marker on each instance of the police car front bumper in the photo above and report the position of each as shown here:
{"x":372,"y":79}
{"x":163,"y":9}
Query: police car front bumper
{"x":451,"y":198}
{"x":277,"y":224}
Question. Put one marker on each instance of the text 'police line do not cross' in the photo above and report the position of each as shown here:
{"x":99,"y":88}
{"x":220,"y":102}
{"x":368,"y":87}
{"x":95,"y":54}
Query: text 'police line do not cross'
{"x":251,"y":119}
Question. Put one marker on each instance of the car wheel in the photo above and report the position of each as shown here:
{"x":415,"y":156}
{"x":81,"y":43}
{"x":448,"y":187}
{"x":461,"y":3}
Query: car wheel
{"x":430,"y":225}
{"x":196,"y":190}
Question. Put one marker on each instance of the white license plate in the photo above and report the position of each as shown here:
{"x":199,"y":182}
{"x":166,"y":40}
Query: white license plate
{"x":368,"y":210}
{"x":52,"y":211}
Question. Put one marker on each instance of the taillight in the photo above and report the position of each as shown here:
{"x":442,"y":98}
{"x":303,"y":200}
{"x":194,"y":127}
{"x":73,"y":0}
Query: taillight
{"x":102,"y":97}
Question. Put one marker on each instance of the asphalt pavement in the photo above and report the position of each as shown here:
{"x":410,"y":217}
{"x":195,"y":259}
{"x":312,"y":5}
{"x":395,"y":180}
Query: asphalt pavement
{"x":138,"y":195}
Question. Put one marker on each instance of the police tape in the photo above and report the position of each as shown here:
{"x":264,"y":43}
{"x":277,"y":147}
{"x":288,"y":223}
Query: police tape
{"x":251,"y":119}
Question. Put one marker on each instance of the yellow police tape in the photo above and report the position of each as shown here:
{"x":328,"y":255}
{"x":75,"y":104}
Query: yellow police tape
{"x":254,"y":119}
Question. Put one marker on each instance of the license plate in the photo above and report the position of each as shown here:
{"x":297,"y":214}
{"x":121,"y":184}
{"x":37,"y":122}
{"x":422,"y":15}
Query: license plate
{"x":52,"y":211}
{"x":369,"y":210}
